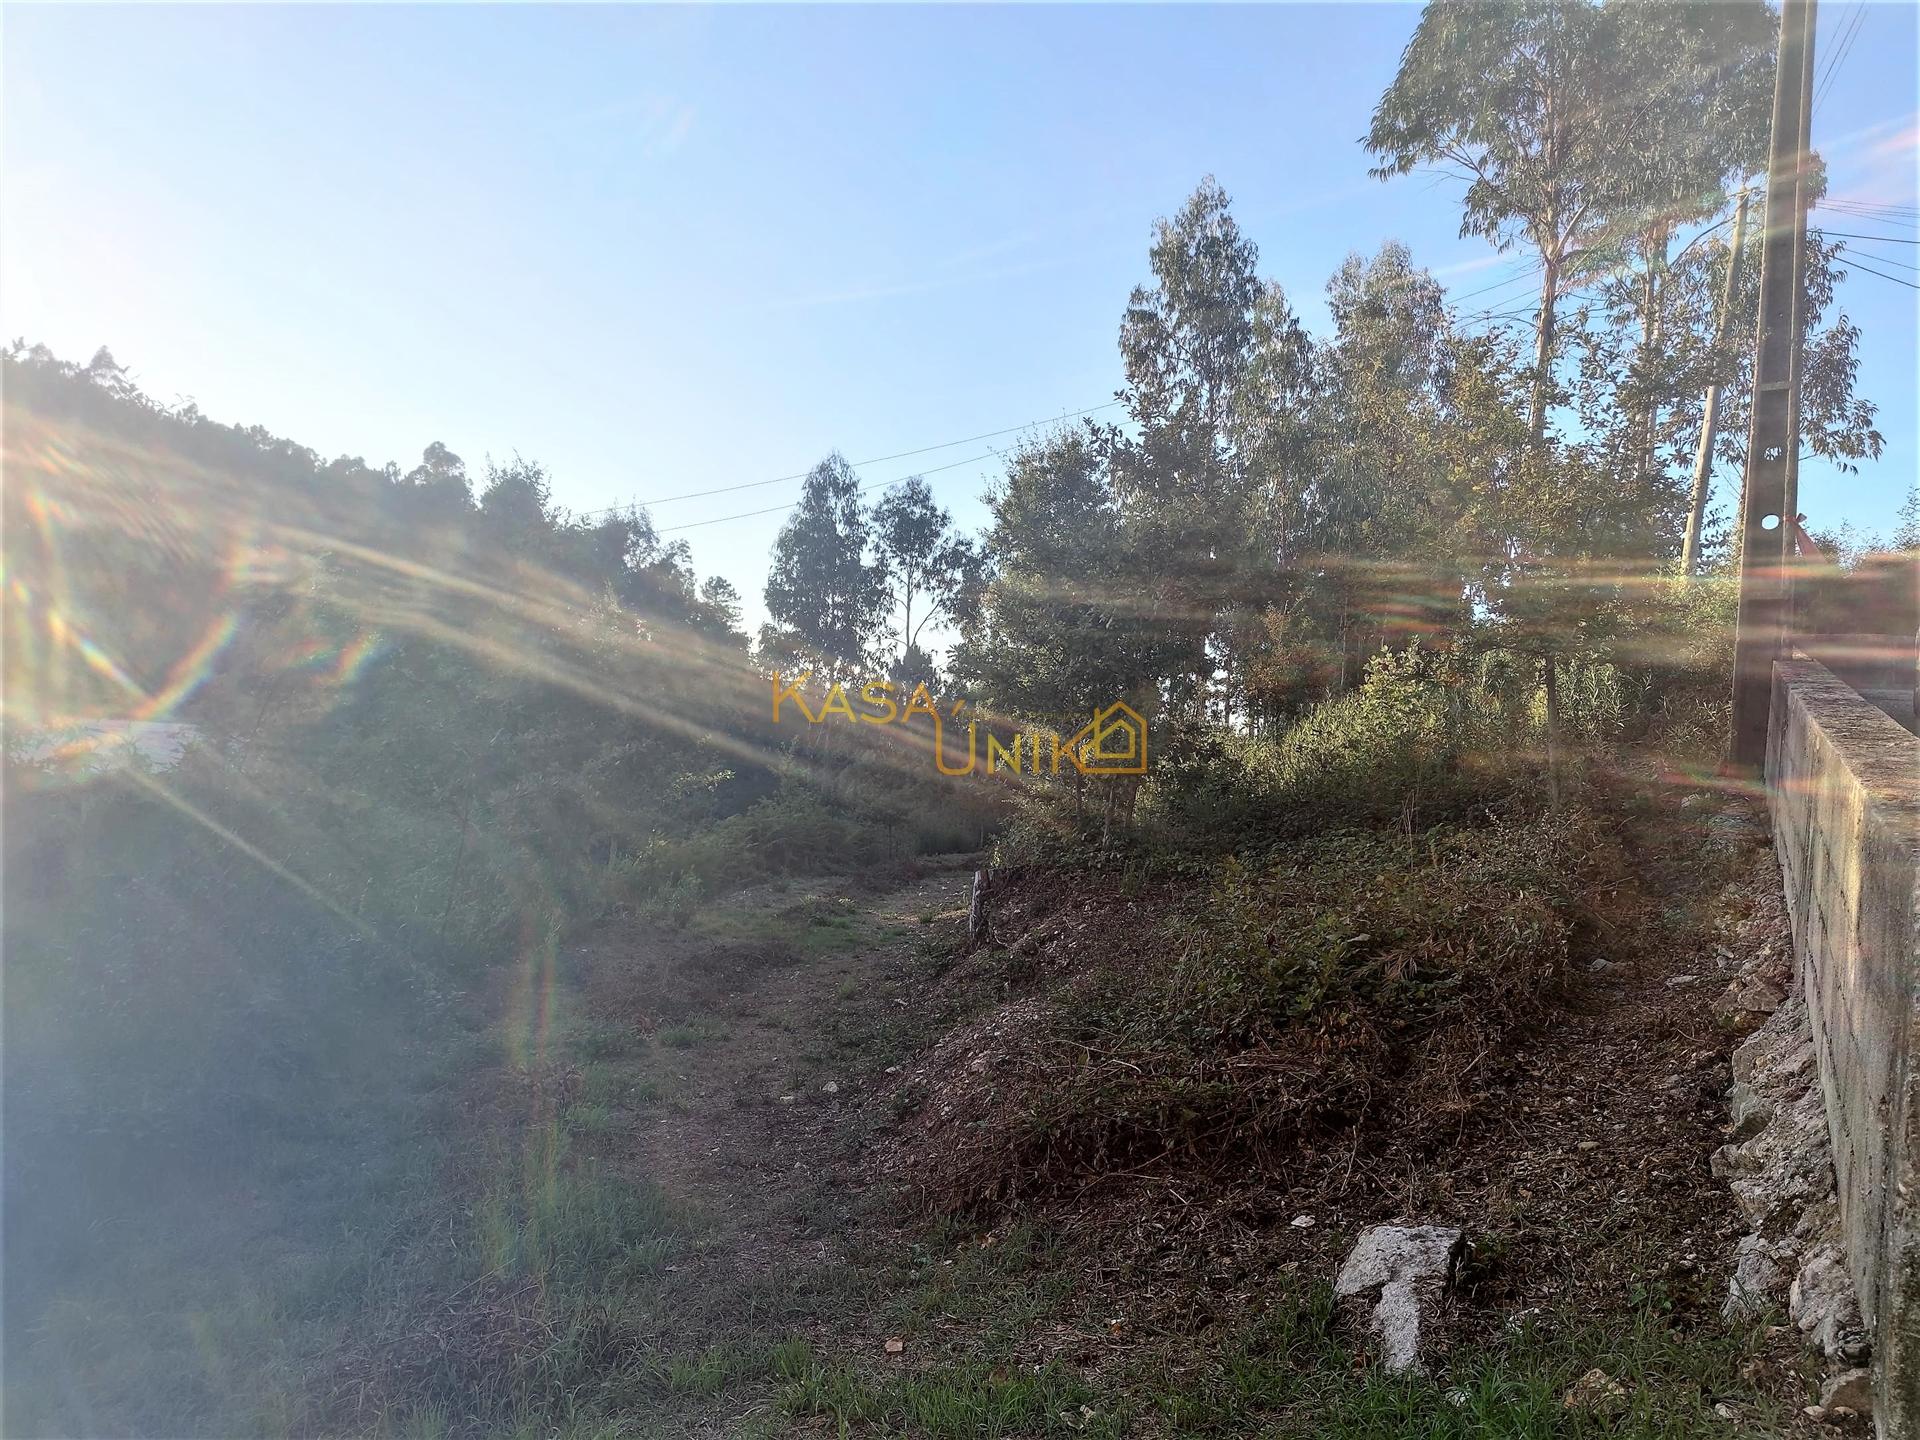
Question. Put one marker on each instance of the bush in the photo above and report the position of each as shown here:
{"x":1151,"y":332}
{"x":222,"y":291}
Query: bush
{"x":1280,"y":1004}
{"x":1421,"y":740}
{"x":792,"y":832}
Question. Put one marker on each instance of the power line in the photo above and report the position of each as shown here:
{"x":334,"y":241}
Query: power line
{"x":1883,"y":239}
{"x":1856,"y":265}
{"x":1531,"y":270}
{"x":1883,"y":260}
{"x":855,"y":465}
{"x":1884,"y":206}
{"x":1850,"y":32}
{"x":775,"y":509}
{"x":1885,"y":213}
{"x":1878,"y":217}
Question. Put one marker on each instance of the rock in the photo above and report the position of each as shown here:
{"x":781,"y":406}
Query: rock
{"x":832,"y":1087}
{"x":1786,"y":1167}
{"x":1405,"y":1272}
{"x":1762,"y":1269}
{"x":1784,"y":1031}
{"x":1595,"y":1390}
{"x":1750,"y":995}
{"x":1674,"y":982}
{"x":1850,"y":1390}
{"x":1824,"y":1308}
{"x":1750,"y":1110}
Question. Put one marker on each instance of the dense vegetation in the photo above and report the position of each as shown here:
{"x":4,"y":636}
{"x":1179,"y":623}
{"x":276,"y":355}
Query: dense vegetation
{"x":1382,"y":594}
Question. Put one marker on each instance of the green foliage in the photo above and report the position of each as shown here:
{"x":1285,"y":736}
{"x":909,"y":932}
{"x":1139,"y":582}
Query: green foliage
{"x":822,"y":586}
{"x":952,"y":1403}
{"x":1460,"y":916}
{"x":791,"y":832}
{"x":1414,"y":742}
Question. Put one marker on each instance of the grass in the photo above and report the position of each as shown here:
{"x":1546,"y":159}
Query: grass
{"x":1289,"y":1375}
{"x":955,"y":1402}
{"x":686,"y":1034}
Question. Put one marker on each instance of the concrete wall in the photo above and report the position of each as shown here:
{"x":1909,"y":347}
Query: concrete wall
{"x":1844,"y":783}
{"x":1883,"y":668}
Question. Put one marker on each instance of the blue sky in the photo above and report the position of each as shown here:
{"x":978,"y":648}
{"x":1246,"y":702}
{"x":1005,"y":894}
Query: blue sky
{"x":671,"y":249}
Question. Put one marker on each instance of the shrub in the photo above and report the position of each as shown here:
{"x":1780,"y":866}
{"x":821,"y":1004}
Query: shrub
{"x":1417,"y":742}
{"x":1279,"y":1004}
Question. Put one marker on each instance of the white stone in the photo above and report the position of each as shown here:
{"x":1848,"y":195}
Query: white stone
{"x":1405,"y":1270}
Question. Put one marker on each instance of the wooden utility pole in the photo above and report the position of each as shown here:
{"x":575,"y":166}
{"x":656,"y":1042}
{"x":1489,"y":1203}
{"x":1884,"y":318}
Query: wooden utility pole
{"x":1710,"y":413}
{"x":1765,"y":528}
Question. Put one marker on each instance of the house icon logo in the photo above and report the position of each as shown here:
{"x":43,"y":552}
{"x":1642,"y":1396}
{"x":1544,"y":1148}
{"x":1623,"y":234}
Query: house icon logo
{"x":1114,"y":742}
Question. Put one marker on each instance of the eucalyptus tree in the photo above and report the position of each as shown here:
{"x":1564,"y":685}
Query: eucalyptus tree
{"x":1188,"y":499}
{"x":1582,"y":130}
{"x":1381,"y":515}
{"x":822,"y":586}
{"x":924,"y":563}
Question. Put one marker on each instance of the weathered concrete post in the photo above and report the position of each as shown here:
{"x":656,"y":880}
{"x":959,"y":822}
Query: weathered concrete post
{"x":977,"y":910}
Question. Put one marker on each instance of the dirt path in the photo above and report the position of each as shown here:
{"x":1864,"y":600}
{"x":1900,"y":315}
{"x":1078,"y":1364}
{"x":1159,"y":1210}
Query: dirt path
{"x":773,"y":1026}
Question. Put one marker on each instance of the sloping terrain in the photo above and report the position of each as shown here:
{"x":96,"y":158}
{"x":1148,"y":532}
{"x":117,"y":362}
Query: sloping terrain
{"x":789,"y":1073}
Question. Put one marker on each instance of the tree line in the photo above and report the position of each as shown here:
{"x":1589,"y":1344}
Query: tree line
{"x":1277,"y":505}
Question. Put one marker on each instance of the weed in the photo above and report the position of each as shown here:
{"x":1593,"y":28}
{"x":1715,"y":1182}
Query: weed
{"x":698,"y":1030}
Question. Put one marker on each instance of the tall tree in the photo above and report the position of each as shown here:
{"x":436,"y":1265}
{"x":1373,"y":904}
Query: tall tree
{"x":1060,"y":628}
{"x":822,"y":586}
{"x":1578,"y":127}
{"x":1188,"y":501}
{"x":924,"y":563}
{"x":1381,"y":524}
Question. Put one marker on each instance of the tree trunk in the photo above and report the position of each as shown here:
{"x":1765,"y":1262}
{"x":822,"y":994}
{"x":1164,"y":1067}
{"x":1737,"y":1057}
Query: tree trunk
{"x":1551,"y":683}
{"x":1710,"y":415}
{"x":1543,"y":349}
{"x":1650,"y":344}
